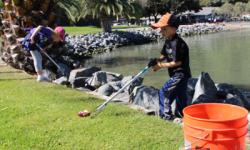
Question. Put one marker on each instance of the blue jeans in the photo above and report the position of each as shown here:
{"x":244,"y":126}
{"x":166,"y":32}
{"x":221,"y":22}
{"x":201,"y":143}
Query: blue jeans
{"x":174,"y":89}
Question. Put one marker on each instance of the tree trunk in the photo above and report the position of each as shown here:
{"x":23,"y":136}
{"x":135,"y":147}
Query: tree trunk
{"x":106,"y":24}
{"x":17,"y":16}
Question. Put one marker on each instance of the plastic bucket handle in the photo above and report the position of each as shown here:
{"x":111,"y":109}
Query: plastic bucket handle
{"x":211,"y":133}
{"x":202,"y":136}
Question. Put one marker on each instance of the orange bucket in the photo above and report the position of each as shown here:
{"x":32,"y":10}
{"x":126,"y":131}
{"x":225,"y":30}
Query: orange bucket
{"x":214,"y":126}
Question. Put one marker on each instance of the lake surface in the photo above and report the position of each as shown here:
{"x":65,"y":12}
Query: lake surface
{"x":225,"y":56}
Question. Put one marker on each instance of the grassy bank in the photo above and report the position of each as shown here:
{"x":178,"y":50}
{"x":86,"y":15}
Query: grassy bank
{"x":82,"y":30}
{"x":44,"y":116}
{"x":93,"y":29}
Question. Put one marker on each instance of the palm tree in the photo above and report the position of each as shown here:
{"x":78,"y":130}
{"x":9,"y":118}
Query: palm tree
{"x":18,"y":15}
{"x":74,"y":11}
{"x":106,"y":10}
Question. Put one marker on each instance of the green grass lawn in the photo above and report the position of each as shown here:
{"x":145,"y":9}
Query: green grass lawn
{"x":44,"y":116}
{"x":93,"y":29}
{"x":126,"y":27}
{"x":82,"y":30}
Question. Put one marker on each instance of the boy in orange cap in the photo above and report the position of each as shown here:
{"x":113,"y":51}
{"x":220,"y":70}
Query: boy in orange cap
{"x":175,"y":57}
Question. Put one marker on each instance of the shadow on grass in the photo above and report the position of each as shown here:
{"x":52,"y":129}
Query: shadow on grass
{"x":85,"y":99}
{"x":10,"y":72}
{"x":17,"y":79}
{"x":90,"y":99}
{"x":121,"y":113}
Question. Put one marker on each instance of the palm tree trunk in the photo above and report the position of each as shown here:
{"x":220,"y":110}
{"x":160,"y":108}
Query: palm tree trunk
{"x":16,"y":16}
{"x":106,"y":24}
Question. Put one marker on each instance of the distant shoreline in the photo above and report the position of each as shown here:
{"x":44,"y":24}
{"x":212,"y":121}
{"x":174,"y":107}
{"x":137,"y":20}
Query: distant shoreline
{"x":234,"y":26}
{"x":229,"y":26}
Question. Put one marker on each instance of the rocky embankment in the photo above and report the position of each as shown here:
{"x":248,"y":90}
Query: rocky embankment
{"x":87,"y":45}
{"x":90,"y":44}
{"x":199,"y":29}
{"x":146,"y":98}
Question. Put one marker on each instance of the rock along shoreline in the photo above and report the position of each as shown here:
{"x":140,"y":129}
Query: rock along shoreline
{"x":91,"y":44}
{"x":103,"y":84}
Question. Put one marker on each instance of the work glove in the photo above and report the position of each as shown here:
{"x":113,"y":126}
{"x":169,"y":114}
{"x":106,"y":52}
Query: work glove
{"x":152,"y":62}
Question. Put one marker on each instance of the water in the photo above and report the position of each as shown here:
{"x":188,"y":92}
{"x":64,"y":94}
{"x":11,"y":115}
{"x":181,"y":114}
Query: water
{"x":225,"y":56}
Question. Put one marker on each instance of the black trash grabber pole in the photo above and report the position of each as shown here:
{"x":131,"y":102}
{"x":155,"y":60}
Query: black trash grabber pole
{"x":100,"y":108}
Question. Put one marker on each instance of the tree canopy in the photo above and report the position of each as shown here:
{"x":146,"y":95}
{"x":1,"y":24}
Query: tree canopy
{"x":235,"y":1}
{"x":219,"y":2}
{"x":156,"y":7}
{"x":248,"y":7}
{"x":211,"y":2}
{"x":67,"y":3}
{"x":184,"y":5}
{"x":239,"y":8}
{"x":74,"y":11}
{"x":233,"y":10}
{"x":105,"y":10}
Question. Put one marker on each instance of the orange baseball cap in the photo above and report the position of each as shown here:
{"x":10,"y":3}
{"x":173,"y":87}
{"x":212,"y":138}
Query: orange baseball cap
{"x":166,"y":20}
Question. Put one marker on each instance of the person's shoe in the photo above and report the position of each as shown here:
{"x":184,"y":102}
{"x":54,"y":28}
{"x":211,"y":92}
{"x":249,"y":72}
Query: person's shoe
{"x":42,"y":79}
{"x":168,"y":117}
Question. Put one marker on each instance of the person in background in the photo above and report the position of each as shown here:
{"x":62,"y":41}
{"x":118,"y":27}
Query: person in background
{"x":174,"y":57}
{"x":43,"y":36}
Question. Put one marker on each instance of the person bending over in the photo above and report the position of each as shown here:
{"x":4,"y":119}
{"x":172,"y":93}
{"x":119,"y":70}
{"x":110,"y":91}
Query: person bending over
{"x":43,"y":36}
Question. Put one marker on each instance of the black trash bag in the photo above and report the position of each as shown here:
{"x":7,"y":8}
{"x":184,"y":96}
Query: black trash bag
{"x":204,"y":86}
{"x":234,"y":100}
{"x":226,"y":89}
{"x":191,"y":89}
{"x":203,"y":98}
{"x":206,"y":99}
{"x":246,"y":95}
{"x":221,"y":94}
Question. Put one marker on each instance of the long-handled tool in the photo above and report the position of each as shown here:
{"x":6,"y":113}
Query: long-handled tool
{"x":103,"y":106}
{"x":52,"y":60}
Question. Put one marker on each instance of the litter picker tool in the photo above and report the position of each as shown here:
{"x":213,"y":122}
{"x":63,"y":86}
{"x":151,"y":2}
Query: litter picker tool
{"x":101,"y":107}
{"x":52,"y":60}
